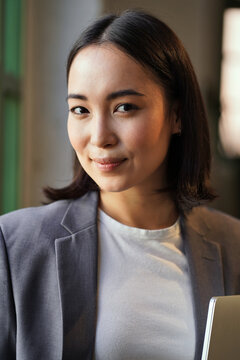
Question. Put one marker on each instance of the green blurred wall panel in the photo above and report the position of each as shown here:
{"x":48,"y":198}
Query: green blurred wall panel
{"x":10,"y":154}
{"x":1,"y":29}
{"x":12,"y":38}
{"x":11,"y":48}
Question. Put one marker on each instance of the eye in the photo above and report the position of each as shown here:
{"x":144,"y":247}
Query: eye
{"x":126,"y":107}
{"x":79,"y":110}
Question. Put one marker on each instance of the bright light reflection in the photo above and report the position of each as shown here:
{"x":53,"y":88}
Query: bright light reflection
{"x":229,"y":125}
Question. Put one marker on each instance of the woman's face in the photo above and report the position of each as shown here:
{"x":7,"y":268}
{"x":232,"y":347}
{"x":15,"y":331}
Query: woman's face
{"x":117,"y":120}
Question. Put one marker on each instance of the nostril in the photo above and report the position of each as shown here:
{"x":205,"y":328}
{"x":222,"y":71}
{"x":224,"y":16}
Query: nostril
{"x":104,"y":139}
{"x":108,"y":145}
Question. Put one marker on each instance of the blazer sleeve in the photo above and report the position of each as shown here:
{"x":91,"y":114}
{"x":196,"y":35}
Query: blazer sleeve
{"x":7,"y":308}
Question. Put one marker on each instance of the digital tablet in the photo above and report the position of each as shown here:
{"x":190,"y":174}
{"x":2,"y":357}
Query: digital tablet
{"x":222,"y":334}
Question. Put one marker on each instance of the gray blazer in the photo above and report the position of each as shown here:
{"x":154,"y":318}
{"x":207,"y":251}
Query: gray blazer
{"x":48,"y":276}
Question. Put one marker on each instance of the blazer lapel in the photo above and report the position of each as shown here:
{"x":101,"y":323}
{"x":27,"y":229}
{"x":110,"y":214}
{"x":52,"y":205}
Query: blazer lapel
{"x":206,"y":272}
{"x":76,"y":257}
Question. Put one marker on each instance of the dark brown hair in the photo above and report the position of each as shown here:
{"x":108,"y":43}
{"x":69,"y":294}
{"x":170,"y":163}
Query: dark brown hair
{"x":154,"y":45}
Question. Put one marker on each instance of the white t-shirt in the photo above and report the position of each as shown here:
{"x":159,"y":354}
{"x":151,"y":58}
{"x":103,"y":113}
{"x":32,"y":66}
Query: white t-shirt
{"x":145,"y":306}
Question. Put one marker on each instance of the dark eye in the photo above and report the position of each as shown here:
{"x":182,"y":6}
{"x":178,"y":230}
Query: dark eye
{"x":126,"y":107}
{"x":79,"y":110}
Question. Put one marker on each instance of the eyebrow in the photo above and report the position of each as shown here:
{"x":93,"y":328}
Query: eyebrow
{"x":111,"y":96}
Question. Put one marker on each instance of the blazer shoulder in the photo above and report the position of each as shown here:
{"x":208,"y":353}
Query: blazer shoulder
{"x":29,"y":220}
{"x":48,"y":222}
{"x":215,"y":222}
{"x":216,"y":217}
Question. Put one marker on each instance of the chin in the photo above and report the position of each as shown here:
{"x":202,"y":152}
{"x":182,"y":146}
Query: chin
{"x":110,"y":186}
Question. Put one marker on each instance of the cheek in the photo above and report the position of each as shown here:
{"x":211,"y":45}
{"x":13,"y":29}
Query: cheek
{"x":143,"y":135}
{"x":136,"y":141}
{"x":75,"y":136}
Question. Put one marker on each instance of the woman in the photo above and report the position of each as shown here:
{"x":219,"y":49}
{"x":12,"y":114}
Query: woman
{"x":123,"y":264}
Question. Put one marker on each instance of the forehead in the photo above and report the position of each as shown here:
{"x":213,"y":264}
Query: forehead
{"x":102,"y":66}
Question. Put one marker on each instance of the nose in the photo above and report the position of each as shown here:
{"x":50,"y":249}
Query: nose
{"x":102,"y":132}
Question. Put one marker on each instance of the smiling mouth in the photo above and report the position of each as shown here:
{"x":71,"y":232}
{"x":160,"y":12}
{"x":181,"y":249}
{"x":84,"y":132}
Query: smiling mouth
{"x":108,"y":164}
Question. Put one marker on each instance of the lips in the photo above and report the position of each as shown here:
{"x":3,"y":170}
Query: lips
{"x":108,"y":164}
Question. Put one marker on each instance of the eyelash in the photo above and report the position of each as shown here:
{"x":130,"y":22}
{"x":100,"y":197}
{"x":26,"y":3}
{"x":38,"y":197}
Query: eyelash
{"x":73,"y":110}
{"x":130,"y":107}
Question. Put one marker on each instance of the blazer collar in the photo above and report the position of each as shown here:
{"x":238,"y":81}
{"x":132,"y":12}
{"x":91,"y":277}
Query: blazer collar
{"x":81,"y":213}
{"x":205,"y":267}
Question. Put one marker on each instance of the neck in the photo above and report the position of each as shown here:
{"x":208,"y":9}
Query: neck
{"x":148,"y":211}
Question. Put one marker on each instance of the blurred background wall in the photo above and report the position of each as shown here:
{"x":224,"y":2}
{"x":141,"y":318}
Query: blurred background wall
{"x":36,"y":37}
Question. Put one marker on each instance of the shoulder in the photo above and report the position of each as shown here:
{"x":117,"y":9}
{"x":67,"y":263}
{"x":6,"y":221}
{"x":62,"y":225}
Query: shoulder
{"x":217,"y":224}
{"x":47,"y":220}
{"x":33,"y":221}
{"x":30,"y":217}
{"x":216,"y":217}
